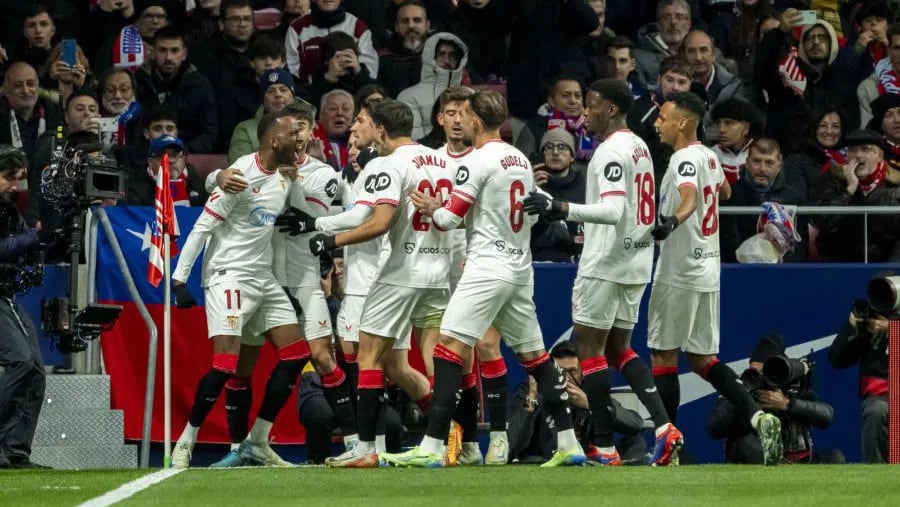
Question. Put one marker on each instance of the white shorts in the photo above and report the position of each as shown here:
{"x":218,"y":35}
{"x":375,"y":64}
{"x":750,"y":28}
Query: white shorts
{"x":348,"y":317}
{"x":316,"y":319}
{"x":457,"y":257}
{"x":602,"y":304}
{"x":392,"y":310}
{"x":247,"y":308}
{"x":479,"y":303}
{"x":683,"y":319}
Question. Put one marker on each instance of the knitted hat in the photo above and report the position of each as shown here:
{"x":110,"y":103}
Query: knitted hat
{"x":769,"y":346}
{"x":738,"y":110}
{"x":880,"y":107}
{"x":276,"y":76}
{"x":559,"y":135}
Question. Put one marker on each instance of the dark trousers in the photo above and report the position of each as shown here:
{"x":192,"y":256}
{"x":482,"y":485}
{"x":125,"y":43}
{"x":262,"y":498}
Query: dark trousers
{"x":22,"y":383}
{"x":319,"y":420}
{"x":875,"y":429}
{"x":748,"y":450}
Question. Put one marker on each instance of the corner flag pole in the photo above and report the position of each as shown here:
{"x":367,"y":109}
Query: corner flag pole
{"x":167,"y":350}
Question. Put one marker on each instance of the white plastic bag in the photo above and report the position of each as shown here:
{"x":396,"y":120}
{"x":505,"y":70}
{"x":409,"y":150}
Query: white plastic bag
{"x":758,"y":249}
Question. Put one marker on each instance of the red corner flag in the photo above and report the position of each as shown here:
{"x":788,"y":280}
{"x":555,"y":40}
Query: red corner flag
{"x":166,"y":223}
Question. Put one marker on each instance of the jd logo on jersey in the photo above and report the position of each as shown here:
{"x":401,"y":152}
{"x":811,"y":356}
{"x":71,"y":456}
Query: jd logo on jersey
{"x":687,"y":169}
{"x":613,"y":171}
{"x":377,"y":182}
{"x":331,"y":188}
{"x":462,"y":175}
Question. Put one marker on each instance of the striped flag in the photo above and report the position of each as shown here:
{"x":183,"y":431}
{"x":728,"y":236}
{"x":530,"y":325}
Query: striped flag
{"x":791,"y":74}
{"x":128,"y":51}
{"x":166,"y":223}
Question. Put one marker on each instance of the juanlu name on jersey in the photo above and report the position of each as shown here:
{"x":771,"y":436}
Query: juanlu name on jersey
{"x":434,"y":161}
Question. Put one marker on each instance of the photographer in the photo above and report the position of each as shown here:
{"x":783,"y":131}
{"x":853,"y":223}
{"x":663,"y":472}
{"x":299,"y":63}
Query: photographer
{"x":788,"y":395}
{"x":22,"y":383}
{"x":864,"y":341}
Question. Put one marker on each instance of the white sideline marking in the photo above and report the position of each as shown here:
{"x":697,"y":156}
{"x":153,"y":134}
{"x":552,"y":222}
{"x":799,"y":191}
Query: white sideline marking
{"x":130,"y":489}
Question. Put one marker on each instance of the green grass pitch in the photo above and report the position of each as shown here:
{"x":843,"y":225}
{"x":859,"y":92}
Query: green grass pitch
{"x":521,"y":486}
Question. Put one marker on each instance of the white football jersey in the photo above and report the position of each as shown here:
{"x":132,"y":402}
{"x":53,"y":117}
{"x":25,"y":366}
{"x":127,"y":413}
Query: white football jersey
{"x":495,"y":180}
{"x":459,"y":235}
{"x":362,"y":262}
{"x":420,"y":253}
{"x":621,"y":168}
{"x":312,"y":192}
{"x":239,"y":227}
{"x":689,"y":258}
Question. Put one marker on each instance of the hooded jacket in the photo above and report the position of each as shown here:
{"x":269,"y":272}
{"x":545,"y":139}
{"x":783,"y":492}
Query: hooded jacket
{"x":434,"y":80}
{"x":649,"y":53}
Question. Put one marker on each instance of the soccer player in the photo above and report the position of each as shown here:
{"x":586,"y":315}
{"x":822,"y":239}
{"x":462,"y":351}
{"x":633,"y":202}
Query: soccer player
{"x":497,"y":285}
{"x":412,"y":284}
{"x":615,"y":267}
{"x":684,"y":301}
{"x":242,"y":296}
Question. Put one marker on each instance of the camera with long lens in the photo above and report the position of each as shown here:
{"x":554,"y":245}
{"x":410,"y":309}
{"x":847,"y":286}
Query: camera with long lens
{"x":881,"y":301}
{"x":791,"y":375}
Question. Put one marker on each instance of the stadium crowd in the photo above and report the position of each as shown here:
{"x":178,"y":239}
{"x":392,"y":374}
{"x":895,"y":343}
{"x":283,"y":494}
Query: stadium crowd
{"x":796,"y":110}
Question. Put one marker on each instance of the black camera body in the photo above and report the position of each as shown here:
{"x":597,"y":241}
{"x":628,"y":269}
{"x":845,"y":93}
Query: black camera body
{"x":75,"y":179}
{"x":792,"y":376}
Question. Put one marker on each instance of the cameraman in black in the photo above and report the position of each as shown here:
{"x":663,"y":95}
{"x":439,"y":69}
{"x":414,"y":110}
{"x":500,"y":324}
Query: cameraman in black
{"x":864,"y":341}
{"x":22,"y":383}
{"x":788,"y":395}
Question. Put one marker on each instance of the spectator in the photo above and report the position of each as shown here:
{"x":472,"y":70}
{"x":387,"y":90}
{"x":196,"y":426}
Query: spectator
{"x":820,"y":149}
{"x":762,"y":180}
{"x":885,"y":79}
{"x":118,"y":101}
{"x":39,"y":30}
{"x":129,"y":49}
{"x":870,"y":41}
{"x":797,"y":79}
{"x":59,"y":81}
{"x":110,"y":17}
{"x":796,"y":404}
{"x":736,"y":32}
{"x":202,"y":22}
{"x":484,"y":26}
{"x":564,"y":109}
{"x":303,"y":41}
{"x":860,"y":182}
{"x":277,"y":90}
{"x":225,"y":61}
{"x":598,"y":39}
{"x":863,"y":340}
{"x":720,"y":85}
{"x":342,"y":69}
{"x":333,"y":129}
{"x":27,"y":114}
{"x":172,"y":81}
{"x":368,"y":93}
{"x":558,"y":176}
{"x":156,"y":122}
{"x":186,"y":184}
{"x":620,"y":64}
{"x":887,"y":121}
{"x":293,"y":10}
{"x":656,"y":41}
{"x":266,"y":53}
{"x":401,"y":61}
{"x":443,"y":64}
{"x":674,"y":76}
{"x":735,"y":123}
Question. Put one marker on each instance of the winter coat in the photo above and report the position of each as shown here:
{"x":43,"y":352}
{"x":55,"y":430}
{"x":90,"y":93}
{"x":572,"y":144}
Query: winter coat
{"x":649,"y":52}
{"x":724,"y":86}
{"x":244,"y":140}
{"x":802,"y":170}
{"x":570,"y":188}
{"x":433,"y":80}
{"x":400,"y":67}
{"x":190,"y":95}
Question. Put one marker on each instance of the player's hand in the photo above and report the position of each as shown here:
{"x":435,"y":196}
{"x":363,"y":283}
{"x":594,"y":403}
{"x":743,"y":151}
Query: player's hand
{"x":664,"y":227}
{"x":544,"y":206}
{"x":425,"y":204}
{"x":232,"y":181}
{"x":315,"y":148}
{"x":365,"y":156}
{"x":294,"y":301}
{"x":326,"y":264}
{"x":183,"y":297}
{"x":321,"y":244}
{"x":295,"y":222}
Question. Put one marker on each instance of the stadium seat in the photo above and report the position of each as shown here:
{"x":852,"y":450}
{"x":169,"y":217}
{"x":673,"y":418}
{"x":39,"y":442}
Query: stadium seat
{"x":207,"y":163}
{"x":266,"y":19}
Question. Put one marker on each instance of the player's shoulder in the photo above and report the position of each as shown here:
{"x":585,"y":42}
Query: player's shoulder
{"x":499,"y":154}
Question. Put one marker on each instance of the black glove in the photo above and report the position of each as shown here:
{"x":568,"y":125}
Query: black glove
{"x":295,"y":222}
{"x":321,"y":244}
{"x":539,"y":204}
{"x":326,"y":262}
{"x":183,"y":297}
{"x":366,"y":155}
{"x":294,"y":301}
{"x":666,"y":225}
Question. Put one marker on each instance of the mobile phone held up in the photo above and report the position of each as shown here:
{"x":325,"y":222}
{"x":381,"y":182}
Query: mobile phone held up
{"x":68,"y":53}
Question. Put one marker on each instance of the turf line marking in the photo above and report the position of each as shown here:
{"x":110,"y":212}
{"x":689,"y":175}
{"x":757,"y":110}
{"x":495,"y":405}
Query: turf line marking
{"x":131,"y":488}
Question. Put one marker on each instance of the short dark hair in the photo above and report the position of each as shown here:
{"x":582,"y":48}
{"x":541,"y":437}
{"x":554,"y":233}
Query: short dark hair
{"x":765,"y":145}
{"x":616,"y":92}
{"x":394,"y":116}
{"x":12,"y":159}
{"x":454,"y":94}
{"x":559,"y":79}
{"x":158,"y":113}
{"x":263,"y":45}
{"x":303,"y":111}
{"x":81,"y":93}
{"x":689,"y":103}
{"x":621,"y":42}
{"x":677,"y":64}
{"x":563,"y":350}
{"x":169,"y":32}
{"x":413,"y":3}
{"x":365,"y":91}
{"x":37,"y":10}
{"x":490,"y":107}
{"x":337,"y":41}
{"x":233,"y":4}
{"x":269,"y":120}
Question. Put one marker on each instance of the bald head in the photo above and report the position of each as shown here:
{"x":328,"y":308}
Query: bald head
{"x":20,"y":86}
{"x":699,"y":50}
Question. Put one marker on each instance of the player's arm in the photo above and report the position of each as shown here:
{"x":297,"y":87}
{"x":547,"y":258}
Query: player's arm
{"x":230,"y":180}
{"x":377,"y":225}
{"x":349,"y":219}
{"x":217,"y":209}
{"x":725,"y":190}
{"x":686,"y":179}
{"x":450,"y":215}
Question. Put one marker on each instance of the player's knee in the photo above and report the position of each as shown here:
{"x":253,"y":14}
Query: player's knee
{"x":619,"y":356}
{"x":664,"y":357}
{"x":700,"y":364}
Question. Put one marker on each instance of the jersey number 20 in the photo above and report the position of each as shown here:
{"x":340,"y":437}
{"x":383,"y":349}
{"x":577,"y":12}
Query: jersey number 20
{"x":710,"y":223}
{"x":440,"y":189}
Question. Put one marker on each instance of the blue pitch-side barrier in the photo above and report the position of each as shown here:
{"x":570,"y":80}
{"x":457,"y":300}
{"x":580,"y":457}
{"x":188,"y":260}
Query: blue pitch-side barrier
{"x":807,"y":304}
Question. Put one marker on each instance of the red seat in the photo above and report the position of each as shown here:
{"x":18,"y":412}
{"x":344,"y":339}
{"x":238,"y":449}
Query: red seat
{"x":266,"y":19}
{"x":207,"y":163}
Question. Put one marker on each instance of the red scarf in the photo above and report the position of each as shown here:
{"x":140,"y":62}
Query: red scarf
{"x":178,"y":186}
{"x":584,"y":142}
{"x":836,"y":157}
{"x":877,"y":51}
{"x":870,"y":182}
{"x":885,"y":77}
